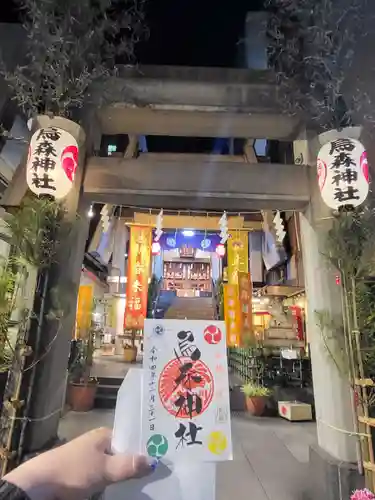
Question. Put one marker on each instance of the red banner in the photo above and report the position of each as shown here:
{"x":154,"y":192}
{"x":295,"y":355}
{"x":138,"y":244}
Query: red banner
{"x":246,"y":303}
{"x":297,"y":317}
{"x":138,"y":274}
{"x":232,"y":314}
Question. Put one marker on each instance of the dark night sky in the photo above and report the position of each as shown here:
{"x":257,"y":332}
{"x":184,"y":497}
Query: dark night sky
{"x":187,"y":32}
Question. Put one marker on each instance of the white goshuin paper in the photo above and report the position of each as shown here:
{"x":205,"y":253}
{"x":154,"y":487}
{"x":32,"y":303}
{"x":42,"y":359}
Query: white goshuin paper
{"x":162,"y":345}
{"x":178,"y":482}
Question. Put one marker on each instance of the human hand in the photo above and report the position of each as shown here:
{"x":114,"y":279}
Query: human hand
{"x":78,"y":469}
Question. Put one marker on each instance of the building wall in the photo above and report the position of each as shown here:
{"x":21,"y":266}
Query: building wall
{"x":85,"y":309}
{"x":100,"y":288}
{"x":295,"y":273}
{"x":255,"y":55}
{"x":13,"y":150}
{"x":255,"y":256}
{"x":157,"y":265}
{"x":255,"y":40}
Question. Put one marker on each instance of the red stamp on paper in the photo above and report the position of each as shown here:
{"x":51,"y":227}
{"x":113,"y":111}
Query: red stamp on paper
{"x":186,"y":387}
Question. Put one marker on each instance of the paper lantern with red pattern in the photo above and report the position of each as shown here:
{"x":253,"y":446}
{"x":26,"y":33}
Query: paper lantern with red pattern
{"x":343,"y":173}
{"x":52,"y":162}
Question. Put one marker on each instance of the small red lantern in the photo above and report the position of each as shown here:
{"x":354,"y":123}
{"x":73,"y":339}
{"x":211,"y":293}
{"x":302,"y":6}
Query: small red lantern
{"x":220,"y":250}
{"x":338,"y":279}
{"x":155,"y":249}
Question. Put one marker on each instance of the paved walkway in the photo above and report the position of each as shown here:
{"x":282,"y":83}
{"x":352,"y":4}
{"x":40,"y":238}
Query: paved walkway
{"x":112,"y":366}
{"x":270,"y":460}
{"x":270,"y":455}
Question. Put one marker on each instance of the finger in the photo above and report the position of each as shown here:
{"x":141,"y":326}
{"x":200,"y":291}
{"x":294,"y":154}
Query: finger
{"x":120,"y":467}
{"x":100,"y":438}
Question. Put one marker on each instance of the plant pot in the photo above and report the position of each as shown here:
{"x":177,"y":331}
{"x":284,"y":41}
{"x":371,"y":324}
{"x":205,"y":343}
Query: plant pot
{"x":256,"y":405}
{"x":130,"y":354}
{"x":81,"y":397}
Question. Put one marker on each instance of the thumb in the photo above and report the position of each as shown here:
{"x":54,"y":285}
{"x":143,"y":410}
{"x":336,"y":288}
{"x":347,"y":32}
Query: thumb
{"x":122,"y":467}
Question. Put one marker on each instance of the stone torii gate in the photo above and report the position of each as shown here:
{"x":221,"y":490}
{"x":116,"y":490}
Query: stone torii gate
{"x":205,"y":102}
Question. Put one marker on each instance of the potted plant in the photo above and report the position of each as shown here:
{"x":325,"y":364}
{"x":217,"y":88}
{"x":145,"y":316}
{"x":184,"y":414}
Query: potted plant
{"x":256,"y":397}
{"x":130,"y":349}
{"x":82,"y":387}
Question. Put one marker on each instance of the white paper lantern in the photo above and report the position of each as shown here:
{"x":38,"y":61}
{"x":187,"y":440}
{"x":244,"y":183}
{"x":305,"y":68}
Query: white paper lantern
{"x":52,"y":162}
{"x":343,"y":173}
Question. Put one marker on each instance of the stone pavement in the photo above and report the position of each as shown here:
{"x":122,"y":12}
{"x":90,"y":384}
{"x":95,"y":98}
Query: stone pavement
{"x":270,"y":455}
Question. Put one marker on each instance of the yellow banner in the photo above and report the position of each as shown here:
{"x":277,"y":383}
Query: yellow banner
{"x":245,"y":287}
{"x":84,"y":310}
{"x":138,"y":274}
{"x":232,"y":314}
{"x":238,"y":255}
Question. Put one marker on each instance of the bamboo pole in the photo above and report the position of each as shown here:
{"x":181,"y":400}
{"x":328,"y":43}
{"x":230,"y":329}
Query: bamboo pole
{"x":348,"y":350}
{"x":361,"y":370}
{"x":11,"y":402}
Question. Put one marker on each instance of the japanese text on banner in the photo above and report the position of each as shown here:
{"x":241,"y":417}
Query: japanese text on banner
{"x":238,"y":255}
{"x":138,"y":273}
{"x":246,"y":303}
{"x":232,"y":313}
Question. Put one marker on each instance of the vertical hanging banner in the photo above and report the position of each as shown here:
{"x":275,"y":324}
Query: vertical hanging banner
{"x":84,"y":310}
{"x":185,"y":397}
{"x":245,"y":288}
{"x":138,"y":274}
{"x":232,"y":314}
{"x":238,"y":255}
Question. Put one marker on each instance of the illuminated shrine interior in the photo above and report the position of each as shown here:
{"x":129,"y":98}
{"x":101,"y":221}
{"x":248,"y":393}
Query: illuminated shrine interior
{"x":191,"y":261}
{"x":188,"y":260}
{"x":187,"y":270}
